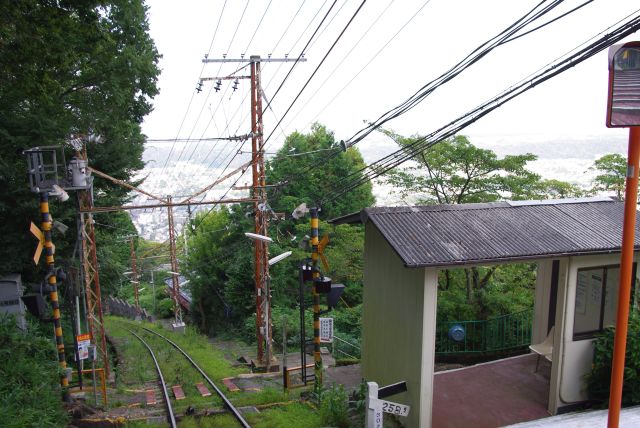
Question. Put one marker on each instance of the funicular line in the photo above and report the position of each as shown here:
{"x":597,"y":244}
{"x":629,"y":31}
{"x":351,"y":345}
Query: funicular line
{"x":218,"y":391}
{"x":170,"y":416}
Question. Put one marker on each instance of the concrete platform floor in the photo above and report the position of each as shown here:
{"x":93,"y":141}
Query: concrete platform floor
{"x":491,"y":394}
{"x":629,"y":417}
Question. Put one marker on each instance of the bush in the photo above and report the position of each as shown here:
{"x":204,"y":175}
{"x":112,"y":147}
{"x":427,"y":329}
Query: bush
{"x":599,"y":379}
{"x":334,"y":407}
{"x":29,"y":378}
{"x":165,"y":308}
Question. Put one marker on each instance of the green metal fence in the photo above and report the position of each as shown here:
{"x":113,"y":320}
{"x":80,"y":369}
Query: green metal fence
{"x":503,"y":333}
{"x":341,"y":348}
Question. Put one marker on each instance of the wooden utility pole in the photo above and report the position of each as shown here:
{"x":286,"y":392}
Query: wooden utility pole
{"x":261,"y":221}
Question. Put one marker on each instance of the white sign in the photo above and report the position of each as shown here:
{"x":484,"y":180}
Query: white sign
{"x":84,"y":340}
{"x":326,"y":330}
{"x":377,"y":413}
{"x":395,"y":408}
{"x":373,"y":415}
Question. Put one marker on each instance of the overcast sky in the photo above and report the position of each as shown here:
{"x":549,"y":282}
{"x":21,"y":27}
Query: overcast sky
{"x":371,"y":71}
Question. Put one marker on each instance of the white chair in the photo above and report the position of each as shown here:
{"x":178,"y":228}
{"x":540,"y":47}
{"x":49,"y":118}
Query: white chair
{"x":544,"y":349}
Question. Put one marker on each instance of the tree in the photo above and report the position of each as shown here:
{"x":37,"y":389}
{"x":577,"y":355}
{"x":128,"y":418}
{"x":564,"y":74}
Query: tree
{"x":65,"y":68}
{"x":310,"y":166}
{"x":457,"y":172}
{"x":612,"y":169}
{"x":220,"y":258}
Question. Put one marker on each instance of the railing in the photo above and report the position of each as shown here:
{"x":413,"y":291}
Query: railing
{"x":503,"y":333}
{"x":341,"y":348}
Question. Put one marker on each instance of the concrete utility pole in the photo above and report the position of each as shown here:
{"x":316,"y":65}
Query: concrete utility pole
{"x":175,"y":281}
{"x":261,"y":223}
{"x":134,"y":275}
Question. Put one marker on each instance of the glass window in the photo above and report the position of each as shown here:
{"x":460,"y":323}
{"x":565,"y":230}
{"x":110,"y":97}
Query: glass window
{"x":596,"y":300}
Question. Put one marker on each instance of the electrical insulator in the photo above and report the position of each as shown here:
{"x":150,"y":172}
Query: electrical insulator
{"x":235,"y":85}
{"x":218,"y":84}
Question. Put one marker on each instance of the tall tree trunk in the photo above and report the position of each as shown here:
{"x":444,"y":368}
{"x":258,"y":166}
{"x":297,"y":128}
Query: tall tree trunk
{"x":468,"y":276}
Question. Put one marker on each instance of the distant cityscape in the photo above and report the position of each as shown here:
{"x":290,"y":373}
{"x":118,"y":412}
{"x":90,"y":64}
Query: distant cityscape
{"x":566,"y":159}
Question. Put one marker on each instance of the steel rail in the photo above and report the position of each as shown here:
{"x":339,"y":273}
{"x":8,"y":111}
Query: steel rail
{"x":171,"y":417}
{"x":226,"y":401}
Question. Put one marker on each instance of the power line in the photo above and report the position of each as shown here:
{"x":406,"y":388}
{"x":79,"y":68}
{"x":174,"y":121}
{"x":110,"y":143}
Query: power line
{"x":558,"y":66}
{"x":478,"y":53}
{"x":315,"y":71}
{"x":299,"y":57}
{"x":347,"y":55}
{"x":195,"y":91}
{"x":210,"y":89}
{"x":473,"y":57}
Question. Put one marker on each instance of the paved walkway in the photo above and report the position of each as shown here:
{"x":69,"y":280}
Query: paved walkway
{"x":492,"y":394}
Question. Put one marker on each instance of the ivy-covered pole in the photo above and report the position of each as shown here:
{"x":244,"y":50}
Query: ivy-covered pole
{"x":317,"y":385}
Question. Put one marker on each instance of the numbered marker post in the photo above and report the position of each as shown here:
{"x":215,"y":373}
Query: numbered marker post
{"x":376,"y":407}
{"x":373,"y":417}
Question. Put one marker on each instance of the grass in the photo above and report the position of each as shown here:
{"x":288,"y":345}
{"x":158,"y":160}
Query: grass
{"x":297,"y":415}
{"x":137,"y":368}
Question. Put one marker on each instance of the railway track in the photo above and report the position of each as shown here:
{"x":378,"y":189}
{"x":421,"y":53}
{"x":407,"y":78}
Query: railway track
{"x":163,"y":387}
{"x":171,"y":419}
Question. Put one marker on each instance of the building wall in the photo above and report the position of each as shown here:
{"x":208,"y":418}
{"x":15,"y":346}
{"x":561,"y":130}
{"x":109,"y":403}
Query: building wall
{"x":396,"y":344}
{"x":572,"y":359}
{"x":542,"y":298}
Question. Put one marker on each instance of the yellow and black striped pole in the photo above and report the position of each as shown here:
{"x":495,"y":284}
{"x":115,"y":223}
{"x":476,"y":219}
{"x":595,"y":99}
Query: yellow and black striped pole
{"x":53,"y":287}
{"x":317,"y":385}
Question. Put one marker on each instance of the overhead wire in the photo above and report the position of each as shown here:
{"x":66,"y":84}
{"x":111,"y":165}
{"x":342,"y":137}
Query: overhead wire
{"x":300,"y":56}
{"x":195,"y":91}
{"x":284,"y":80}
{"x":495,"y":41}
{"x":552,"y":69}
{"x":471,"y":58}
{"x":347,"y":55}
{"x":195,"y":124}
{"x":316,"y":70}
{"x":304,"y":50}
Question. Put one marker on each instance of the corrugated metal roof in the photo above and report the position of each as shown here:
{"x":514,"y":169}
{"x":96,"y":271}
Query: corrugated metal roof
{"x":447,"y":235}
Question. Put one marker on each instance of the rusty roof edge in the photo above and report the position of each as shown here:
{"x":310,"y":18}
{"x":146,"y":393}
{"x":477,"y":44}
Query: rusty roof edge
{"x":475,"y":262}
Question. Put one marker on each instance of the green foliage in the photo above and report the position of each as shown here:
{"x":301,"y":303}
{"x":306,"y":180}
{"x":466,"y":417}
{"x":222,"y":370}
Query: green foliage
{"x":509,"y":289}
{"x":457,"y":172}
{"x":164,"y":308}
{"x":65,"y":68}
{"x":29,"y":378}
{"x":599,"y":380}
{"x":334,"y":407}
{"x":612,"y":169}
{"x":313,"y":176}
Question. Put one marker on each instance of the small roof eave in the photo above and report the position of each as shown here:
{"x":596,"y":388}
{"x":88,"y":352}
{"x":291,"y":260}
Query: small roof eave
{"x":524,"y":258}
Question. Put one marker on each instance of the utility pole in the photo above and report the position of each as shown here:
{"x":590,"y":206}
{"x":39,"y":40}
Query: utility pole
{"x":91,"y":272}
{"x":134,"y":275}
{"x":261,"y":221}
{"x":317,"y":358}
{"x":46,"y":224}
{"x":177,"y":310}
